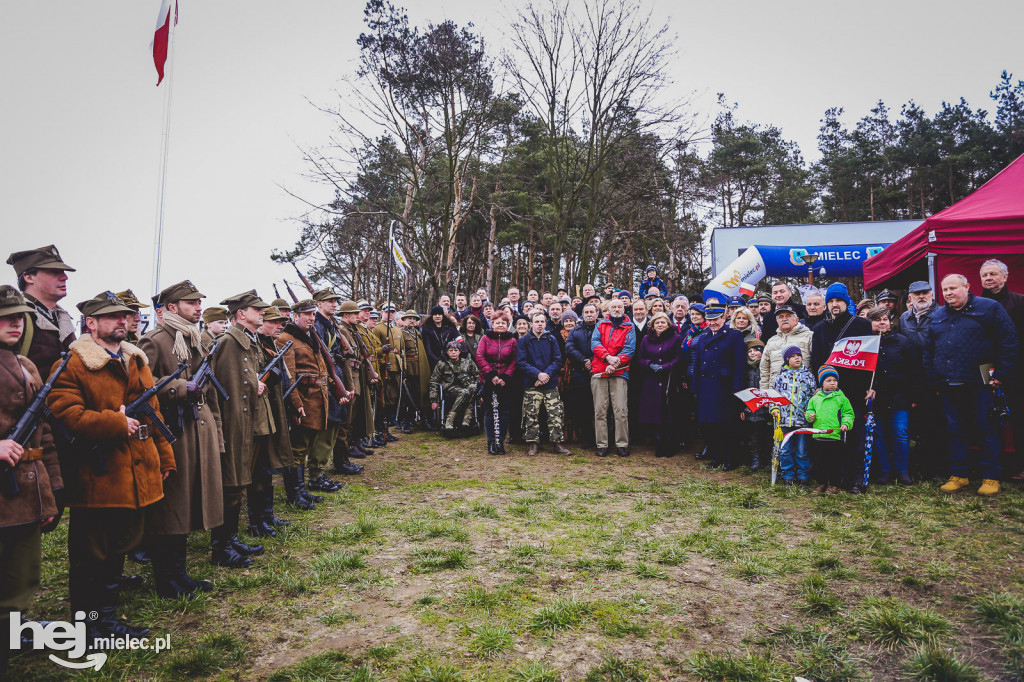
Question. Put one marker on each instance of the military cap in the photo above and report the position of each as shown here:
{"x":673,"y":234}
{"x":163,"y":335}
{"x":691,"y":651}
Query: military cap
{"x":325,"y":295}
{"x":886,"y":295}
{"x":389,"y":307}
{"x":374,"y":313}
{"x":182,"y":291}
{"x":281,"y":304}
{"x":736,"y":301}
{"x":304,"y":306}
{"x":105,"y":303}
{"x":713,"y":312}
{"x":156,"y":301}
{"x":246,"y":299}
{"x":348,"y":307}
{"x":12,"y":302}
{"x":215,"y":314}
{"x":272,"y":315}
{"x":44,"y":257}
{"x":919,"y":287}
{"x":785,"y":308}
{"x":130,"y":300}
{"x":410,"y":313}
{"x":363,"y":304}
{"x":764,"y":298}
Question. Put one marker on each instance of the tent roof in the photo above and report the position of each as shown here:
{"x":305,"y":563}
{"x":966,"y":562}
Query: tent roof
{"x":988,"y":222}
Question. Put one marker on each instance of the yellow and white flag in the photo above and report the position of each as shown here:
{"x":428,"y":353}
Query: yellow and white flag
{"x":396,"y":251}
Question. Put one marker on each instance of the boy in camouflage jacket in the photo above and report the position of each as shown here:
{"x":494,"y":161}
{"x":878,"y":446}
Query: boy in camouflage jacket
{"x":458,"y":377}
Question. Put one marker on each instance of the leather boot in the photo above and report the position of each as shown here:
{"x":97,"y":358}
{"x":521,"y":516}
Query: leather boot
{"x":499,"y":447}
{"x":349,"y":469}
{"x":755,"y":463}
{"x":181,"y":566}
{"x":532,"y":450}
{"x":490,"y":448}
{"x":560,"y":449}
{"x":406,"y":428}
{"x":163,"y":550}
{"x":364,"y":448}
{"x":139,"y":555}
{"x":244,"y":549}
{"x":320,"y":482}
{"x":260,"y":503}
{"x":223,"y":552}
{"x":310,"y":497}
{"x":293,"y":492}
{"x":355,"y":453}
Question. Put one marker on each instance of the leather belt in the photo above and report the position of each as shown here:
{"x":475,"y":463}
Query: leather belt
{"x":312,"y":379}
{"x":141,"y":434}
{"x":31,"y":455}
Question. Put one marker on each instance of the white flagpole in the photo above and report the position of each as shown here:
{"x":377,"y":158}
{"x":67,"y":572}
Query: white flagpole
{"x":158,"y":237}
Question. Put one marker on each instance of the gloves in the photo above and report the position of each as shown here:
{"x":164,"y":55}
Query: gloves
{"x":386,"y":348}
{"x":656,"y":367}
{"x":192,"y":390}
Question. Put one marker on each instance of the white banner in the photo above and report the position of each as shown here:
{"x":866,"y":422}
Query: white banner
{"x":397,"y":253}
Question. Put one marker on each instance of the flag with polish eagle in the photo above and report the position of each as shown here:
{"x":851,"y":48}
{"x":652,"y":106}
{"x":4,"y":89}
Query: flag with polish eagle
{"x":162,"y":36}
{"x":756,"y":398}
{"x":856,"y":352}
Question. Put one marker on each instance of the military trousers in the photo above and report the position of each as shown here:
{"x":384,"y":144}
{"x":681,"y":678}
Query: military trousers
{"x":610,"y":392}
{"x":548,"y":400}
{"x":98,"y":540}
{"x":20,"y":568}
{"x":458,"y":404}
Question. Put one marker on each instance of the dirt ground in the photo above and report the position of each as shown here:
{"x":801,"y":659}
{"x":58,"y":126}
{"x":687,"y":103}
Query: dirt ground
{"x":442,"y":563}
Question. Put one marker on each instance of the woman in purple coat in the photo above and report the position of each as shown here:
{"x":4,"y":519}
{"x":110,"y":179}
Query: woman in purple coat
{"x":658,"y":353}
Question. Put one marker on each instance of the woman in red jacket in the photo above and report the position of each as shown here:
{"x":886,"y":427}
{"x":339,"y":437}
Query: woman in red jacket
{"x":496,"y":358}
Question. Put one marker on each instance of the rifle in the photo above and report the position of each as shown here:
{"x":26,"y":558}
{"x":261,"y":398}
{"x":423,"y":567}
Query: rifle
{"x":29,"y":422}
{"x":346,"y":348}
{"x":274,"y":362}
{"x":204,"y":373}
{"x":338,"y":389}
{"x":295,"y":299}
{"x":139,"y":407}
{"x":277,"y":294}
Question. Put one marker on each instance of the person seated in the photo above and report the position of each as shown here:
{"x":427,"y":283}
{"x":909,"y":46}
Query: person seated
{"x":457,"y":376}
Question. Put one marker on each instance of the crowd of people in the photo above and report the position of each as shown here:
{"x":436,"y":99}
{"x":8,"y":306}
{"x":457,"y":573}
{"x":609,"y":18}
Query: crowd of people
{"x":147,"y":438}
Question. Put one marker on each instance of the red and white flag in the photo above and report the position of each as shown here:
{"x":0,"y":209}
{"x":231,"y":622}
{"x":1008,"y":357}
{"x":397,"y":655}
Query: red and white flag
{"x":746,"y":289}
{"x":162,"y":36}
{"x":856,"y":352}
{"x":797,"y":432}
{"x":755,"y":398}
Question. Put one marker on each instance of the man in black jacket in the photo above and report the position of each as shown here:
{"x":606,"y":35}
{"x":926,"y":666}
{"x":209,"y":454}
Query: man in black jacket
{"x":929,"y":432}
{"x":782,"y":294}
{"x":967,"y":333}
{"x":994,"y":274}
{"x":840,"y":323}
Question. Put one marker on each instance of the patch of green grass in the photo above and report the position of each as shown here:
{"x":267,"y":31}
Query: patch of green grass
{"x":338,"y":618}
{"x":1002,"y":611}
{"x":431,"y":560}
{"x":940,"y":665}
{"x":756,"y":567}
{"x":893,"y":624}
{"x":330,"y":564}
{"x":332,"y":665}
{"x":818,"y":600}
{"x":622,"y":488}
{"x":490,"y":640}
{"x":560,"y":614}
{"x":484,"y":511}
{"x":210,"y":654}
{"x":447,"y":529}
{"x":884,"y":566}
{"x":614,"y":619}
{"x":363,"y":528}
{"x":534,"y":671}
{"x":432,"y":671}
{"x":673,"y":557}
{"x":383,"y":653}
{"x":614,"y":669}
{"x":649,"y":572}
{"x":729,"y":667}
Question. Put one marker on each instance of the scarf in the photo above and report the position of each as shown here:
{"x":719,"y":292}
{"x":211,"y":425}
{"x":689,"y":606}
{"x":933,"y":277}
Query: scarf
{"x":182,"y":328}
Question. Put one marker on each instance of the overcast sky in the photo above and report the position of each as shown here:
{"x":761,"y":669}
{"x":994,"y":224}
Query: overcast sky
{"x":80,"y":140}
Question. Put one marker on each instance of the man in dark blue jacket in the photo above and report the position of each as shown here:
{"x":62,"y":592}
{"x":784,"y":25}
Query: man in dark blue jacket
{"x":579,"y":399}
{"x":965,"y":334}
{"x":539,"y":359}
{"x":720,"y":369}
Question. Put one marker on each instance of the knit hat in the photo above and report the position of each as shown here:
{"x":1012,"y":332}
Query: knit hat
{"x":570,"y":315}
{"x":436,"y":310}
{"x":825,"y":372}
{"x":754,"y":343}
{"x":839,"y":290}
{"x":651,"y":267}
{"x":789,"y":352}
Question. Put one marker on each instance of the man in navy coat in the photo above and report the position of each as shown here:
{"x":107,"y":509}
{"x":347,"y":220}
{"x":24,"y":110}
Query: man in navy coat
{"x":720,"y":369}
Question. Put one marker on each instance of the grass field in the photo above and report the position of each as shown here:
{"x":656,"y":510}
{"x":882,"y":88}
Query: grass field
{"x":444,"y":563}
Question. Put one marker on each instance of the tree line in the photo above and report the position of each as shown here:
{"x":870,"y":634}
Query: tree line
{"x":570,"y":157}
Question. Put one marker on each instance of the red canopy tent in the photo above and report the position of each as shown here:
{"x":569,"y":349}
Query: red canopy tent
{"x":988,"y":223}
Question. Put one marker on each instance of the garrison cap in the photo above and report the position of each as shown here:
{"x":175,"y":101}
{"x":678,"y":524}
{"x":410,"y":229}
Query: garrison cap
{"x":281,"y":304}
{"x":215,"y":314}
{"x":919,"y":287}
{"x":246,"y":299}
{"x":410,"y":313}
{"x":105,"y":303}
{"x":44,"y":257}
{"x":306,"y":305}
{"x":713,"y":312}
{"x":348,"y":307}
{"x":886,"y":295}
{"x":325,"y":295}
{"x":130,"y":300}
{"x":272,"y":315}
{"x":182,"y":291}
{"x":12,"y":301}
{"x":363,"y":304}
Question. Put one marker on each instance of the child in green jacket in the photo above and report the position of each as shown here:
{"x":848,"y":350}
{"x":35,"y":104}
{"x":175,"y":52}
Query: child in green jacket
{"x":830,"y":409}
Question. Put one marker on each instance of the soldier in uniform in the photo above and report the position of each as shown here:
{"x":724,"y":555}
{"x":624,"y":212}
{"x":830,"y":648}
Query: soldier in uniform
{"x":110,"y":488}
{"x":352,"y":428}
{"x":392,"y":346}
{"x":33,"y":468}
{"x":417,"y":370}
{"x":215,"y":323}
{"x":281,"y":306}
{"x":323,"y":446}
{"x":457,"y":376}
{"x":260,"y":495}
{"x":309,"y":400}
{"x":362,"y":408}
{"x":193,"y":497}
{"x":247,"y":418}
{"x":135,"y":318}
{"x":42,"y":277}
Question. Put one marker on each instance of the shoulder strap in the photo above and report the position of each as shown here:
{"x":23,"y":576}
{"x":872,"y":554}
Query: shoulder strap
{"x":26,"y":340}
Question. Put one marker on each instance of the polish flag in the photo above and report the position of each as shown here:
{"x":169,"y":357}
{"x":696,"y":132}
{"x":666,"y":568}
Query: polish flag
{"x":746,"y":289}
{"x":856,"y":352}
{"x":755,"y":398}
{"x":162,"y":37}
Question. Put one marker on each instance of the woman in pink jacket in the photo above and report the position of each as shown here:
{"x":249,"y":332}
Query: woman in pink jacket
{"x":496,"y":358}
